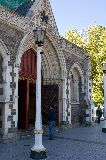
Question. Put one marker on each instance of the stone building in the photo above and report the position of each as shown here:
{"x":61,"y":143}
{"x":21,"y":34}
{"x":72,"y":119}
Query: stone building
{"x":66,"y":71}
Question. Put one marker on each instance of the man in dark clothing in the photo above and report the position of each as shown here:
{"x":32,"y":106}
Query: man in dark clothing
{"x":51,"y":123}
{"x":98,"y":114}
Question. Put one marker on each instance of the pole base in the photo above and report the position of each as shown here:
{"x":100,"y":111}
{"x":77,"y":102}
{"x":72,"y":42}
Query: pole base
{"x":104,"y":130}
{"x":38,"y":155}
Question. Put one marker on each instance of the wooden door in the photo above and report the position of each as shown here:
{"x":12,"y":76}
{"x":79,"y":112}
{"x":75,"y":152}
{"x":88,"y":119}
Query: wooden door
{"x":50,"y":97}
{"x":23,"y":102}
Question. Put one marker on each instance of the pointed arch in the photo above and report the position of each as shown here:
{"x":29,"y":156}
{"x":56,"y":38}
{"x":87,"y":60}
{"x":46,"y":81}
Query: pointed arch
{"x":76,"y":82}
{"x":79,"y":70}
{"x":29,"y":42}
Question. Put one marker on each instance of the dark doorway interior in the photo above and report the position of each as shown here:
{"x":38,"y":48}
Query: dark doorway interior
{"x":32,"y":106}
{"x":22,"y":105}
{"x":26,"y":104}
{"x":50,"y":97}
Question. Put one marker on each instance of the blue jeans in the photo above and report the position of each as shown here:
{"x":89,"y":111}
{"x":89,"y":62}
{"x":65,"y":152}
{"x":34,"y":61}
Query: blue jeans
{"x":51,"y":129}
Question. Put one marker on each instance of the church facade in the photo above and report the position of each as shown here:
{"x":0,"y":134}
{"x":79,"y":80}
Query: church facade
{"x":66,"y":71}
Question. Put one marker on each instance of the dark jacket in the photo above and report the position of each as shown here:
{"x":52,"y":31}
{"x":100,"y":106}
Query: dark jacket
{"x":52,"y":115}
{"x":99,"y":112}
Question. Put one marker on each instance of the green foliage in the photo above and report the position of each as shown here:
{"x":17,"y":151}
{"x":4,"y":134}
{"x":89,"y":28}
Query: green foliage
{"x":93,"y":41}
{"x":75,"y":37}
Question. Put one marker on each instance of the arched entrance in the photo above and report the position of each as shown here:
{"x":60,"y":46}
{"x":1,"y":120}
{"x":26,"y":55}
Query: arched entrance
{"x":27,"y":93}
{"x":76,"y":89}
{"x":26,"y":90}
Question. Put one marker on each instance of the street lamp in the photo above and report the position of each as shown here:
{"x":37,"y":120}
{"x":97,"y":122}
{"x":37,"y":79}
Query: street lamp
{"x":104,"y":79}
{"x":39,"y":36}
{"x":38,"y":151}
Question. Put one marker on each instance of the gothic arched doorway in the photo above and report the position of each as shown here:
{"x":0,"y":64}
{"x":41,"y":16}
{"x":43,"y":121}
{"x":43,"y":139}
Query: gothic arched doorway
{"x":26,"y":90}
{"x":75,"y":93}
{"x":27,"y":93}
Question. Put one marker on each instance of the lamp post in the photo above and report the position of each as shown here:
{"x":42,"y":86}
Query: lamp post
{"x":38,"y":151}
{"x":104,"y":79}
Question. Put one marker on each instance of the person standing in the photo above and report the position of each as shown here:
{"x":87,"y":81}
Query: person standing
{"x":51,"y":122}
{"x":98,"y":114}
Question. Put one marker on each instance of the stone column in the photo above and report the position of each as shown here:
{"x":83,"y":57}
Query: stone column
{"x":8,"y":120}
{"x":16,"y":79}
{"x":64,"y":105}
{"x":11,"y":98}
{"x":69,"y":97}
{"x":64,"y":97}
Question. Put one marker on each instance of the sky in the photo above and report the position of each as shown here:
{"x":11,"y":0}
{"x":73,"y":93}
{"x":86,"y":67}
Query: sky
{"x":78,"y":14}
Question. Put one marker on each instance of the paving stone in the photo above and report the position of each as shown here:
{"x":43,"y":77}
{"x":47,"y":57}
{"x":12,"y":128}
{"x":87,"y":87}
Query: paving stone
{"x":76,"y":143}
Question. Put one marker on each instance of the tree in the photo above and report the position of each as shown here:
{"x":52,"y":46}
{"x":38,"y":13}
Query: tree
{"x":93,"y":41}
{"x":75,"y":37}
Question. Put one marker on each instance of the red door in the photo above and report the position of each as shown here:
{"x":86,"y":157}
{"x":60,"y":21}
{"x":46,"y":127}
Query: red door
{"x":27,"y":76}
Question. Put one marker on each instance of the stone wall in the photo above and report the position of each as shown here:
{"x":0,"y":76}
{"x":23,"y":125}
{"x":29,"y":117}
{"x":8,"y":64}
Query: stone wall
{"x":75,"y":57}
{"x":11,"y":39}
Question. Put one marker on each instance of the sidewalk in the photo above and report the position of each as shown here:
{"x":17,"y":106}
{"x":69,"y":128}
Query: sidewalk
{"x":79,"y":143}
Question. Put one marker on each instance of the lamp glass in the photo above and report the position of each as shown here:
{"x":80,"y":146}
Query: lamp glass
{"x":39,"y":36}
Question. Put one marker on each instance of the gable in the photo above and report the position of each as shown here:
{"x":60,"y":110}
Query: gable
{"x":35,"y":11}
{"x":31,"y":10}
